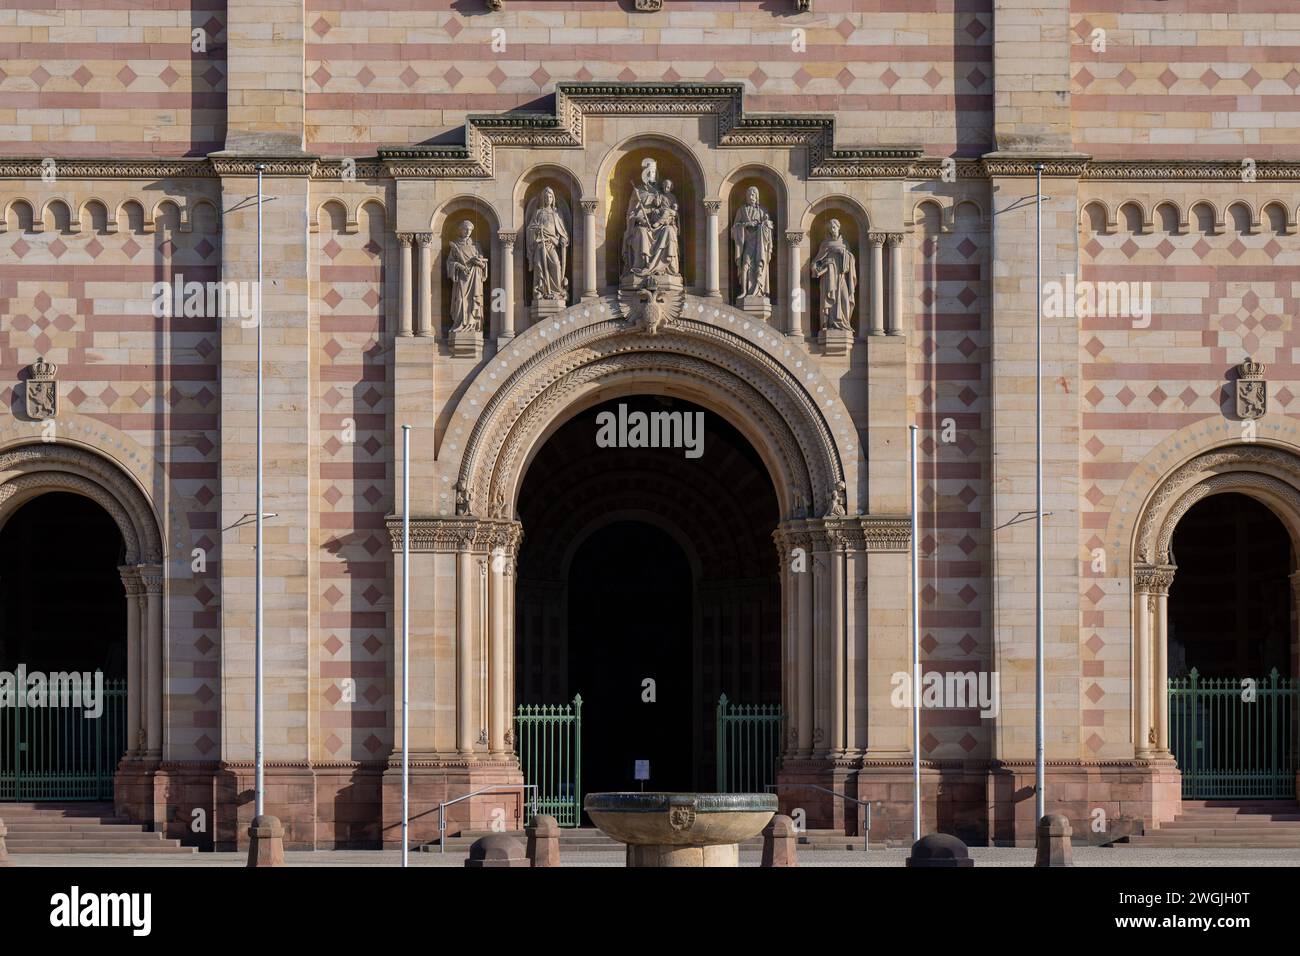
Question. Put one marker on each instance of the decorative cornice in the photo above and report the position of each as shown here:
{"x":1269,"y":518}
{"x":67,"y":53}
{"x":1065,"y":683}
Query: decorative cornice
{"x":1191,"y":170}
{"x":461,"y":533}
{"x":30,"y":168}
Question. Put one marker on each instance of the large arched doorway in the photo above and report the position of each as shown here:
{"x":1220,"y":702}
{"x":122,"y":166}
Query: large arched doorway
{"x":646,"y":563}
{"x":63,"y":648}
{"x":1231,"y":651}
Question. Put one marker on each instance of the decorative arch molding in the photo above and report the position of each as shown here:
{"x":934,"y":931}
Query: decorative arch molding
{"x":724,"y":371}
{"x":30,"y":470}
{"x":1270,"y":474}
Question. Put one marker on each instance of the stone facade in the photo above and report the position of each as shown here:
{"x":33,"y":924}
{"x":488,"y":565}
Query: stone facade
{"x":133,"y":138}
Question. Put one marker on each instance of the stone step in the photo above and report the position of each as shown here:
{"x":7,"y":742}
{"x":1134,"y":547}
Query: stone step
{"x":79,"y":828}
{"x":45,"y":848}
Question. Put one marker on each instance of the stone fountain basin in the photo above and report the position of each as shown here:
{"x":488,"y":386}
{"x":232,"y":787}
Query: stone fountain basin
{"x":681,"y":819}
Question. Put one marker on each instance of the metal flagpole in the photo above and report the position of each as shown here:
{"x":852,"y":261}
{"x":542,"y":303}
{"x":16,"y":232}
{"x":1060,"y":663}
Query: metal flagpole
{"x":260,"y":770}
{"x":406,"y":639}
{"x":1039,"y":768}
{"x":916,"y":650}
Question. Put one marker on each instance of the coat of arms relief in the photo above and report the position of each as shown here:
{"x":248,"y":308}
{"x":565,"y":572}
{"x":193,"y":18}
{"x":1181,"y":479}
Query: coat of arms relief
{"x":42,"y":390}
{"x":1252,"y":390}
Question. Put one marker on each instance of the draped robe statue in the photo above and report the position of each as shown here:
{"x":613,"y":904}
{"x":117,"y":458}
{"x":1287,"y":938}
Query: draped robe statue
{"x":752,"y":234}
{"x":837,"y":268}
{"x":468,"y":270}
{"x":547,"y":249}
{"x":650,"y":238}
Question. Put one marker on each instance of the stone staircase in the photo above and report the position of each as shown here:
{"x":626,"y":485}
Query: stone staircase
{"x":78,"y":828}
{"x":589,"y":839}
{"x":1233,"y":824}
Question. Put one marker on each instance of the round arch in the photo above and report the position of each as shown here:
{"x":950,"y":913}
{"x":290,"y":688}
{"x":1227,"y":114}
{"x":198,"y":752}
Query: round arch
{"x":701,"y":362}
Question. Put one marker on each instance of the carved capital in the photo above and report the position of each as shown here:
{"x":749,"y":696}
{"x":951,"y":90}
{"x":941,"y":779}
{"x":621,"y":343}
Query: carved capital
{"x":131,"y":579}
{"x":462,"y":533}
{"x":895,"y":239}
{"x":151,"y":578}
{"x":405,"y":238}
{"x":508,"y":238}
{"x":425,"y":239}
{"x":589,"y":206}
{"x":712,"y":206}
{"x":877,"y":238}
{"x":1153,"y":578}
{"x":794,"y":238}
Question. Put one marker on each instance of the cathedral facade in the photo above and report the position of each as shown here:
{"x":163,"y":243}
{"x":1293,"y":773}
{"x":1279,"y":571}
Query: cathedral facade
{"x":656,"y":292}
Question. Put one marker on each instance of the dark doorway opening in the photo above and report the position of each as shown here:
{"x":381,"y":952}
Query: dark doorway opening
{"x":1230,"y":602}
{"x":643,"y":562}
{"x":630,"y":610}
{"x":62,"y":603}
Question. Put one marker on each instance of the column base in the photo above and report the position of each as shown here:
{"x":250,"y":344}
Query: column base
{"x":467,"y":343}
{"x":837,"y":341}
{"x":759,"y":306}
{"x":545,"y":308}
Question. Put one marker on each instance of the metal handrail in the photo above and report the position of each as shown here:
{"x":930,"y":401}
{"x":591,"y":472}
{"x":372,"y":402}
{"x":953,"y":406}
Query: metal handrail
{"x":866,"y":817}
{"x":501,"y":788}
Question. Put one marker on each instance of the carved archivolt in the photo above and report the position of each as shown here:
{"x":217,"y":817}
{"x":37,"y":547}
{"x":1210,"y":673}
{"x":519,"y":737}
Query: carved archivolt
{"x":797,"y":438}
{"x":1271,"y":472}
{"x":34,"y":469}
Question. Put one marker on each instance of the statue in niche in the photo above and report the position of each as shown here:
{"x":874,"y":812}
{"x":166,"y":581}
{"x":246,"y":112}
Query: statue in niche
{"x":650,"y":240}
{"x":752,"y":234}
{"x":837,"y":268}
{"x":468,"y":270}
{"x":547,"y":249}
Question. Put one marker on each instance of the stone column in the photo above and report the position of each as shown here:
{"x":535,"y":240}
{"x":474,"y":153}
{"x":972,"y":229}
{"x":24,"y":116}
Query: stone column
{"x":151,"y":576}
{"x":497,"y":715}
{"x":797,"y":301}
{"x":508,"y":692}
{"x":465,"y":575}
{"x":804,"y":694}
{"x":835,"y":733}
{"x":589,"y":283}
{"x":1142,"y":604}
{"x":894,"y":326}
{"x":712,"y":272}
{"x":507,"y":326}
{"x":876,"y":324}
{"x":426,"y":283}
{"x":1162,"y":578}
{"x":404,"y":257}
{"x":134,"y":642}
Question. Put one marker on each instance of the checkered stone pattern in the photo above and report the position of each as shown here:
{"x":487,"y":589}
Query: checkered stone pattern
{"x":355,"y":487}
{"x":380,"y":72}
{"x":112,"y":78}
{"x":1222,"y":78}
{"x":82,"y":297}
{"x":950,"y":392}
{"x":1218,"y":295}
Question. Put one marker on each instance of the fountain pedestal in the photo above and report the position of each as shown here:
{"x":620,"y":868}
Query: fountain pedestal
{"x":681,"y":829}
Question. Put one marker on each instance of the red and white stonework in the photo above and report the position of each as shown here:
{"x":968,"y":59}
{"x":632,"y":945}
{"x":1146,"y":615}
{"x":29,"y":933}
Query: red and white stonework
{"x":1170,"y":155}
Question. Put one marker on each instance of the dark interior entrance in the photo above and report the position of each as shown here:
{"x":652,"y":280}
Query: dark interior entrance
{"x":643,"y":563}
{"x":62,"y":613}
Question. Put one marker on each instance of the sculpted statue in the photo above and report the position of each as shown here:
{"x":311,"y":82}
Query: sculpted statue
{"x":650,"y":240}
{"x":468,"y":270}
{"x":752,"y":234}
{"x":548,"y":250}
{"x":837,"y":268}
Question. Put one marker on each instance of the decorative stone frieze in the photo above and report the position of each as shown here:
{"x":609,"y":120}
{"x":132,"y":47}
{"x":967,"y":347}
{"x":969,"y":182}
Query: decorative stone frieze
{"x":446,"y":535}
{"x":850,"y":533}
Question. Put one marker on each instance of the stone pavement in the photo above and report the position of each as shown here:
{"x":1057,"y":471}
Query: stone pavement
{"x":983,"y":856}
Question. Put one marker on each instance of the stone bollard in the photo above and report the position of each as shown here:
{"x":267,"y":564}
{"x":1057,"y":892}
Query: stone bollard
{"x":1054,"y":841}
{"x":496,"y":849}
{"x":939,"y":850}
{"x":544,"y":841}
{"x":266,"y":841}
{"x":4,"y":852}
{"x":779,"y":842}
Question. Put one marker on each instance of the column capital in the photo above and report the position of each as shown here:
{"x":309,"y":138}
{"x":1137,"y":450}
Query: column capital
{"x":405,"y":238}
{"x":1153,"y":578}
{"x":589,"y":206}
{"x":877,"y":238}
{"x":130,"y":575}
{"x":424,"y":238}
{"x":794,"y":238}
{"x":152,"y":578}
{"x":712,"y":206}
{"x":508,"y":237}
{"x":895,"y":239}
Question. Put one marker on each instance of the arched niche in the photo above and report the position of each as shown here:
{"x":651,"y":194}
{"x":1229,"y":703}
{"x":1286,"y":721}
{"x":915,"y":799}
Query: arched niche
{"x":446,"y":226}
{"x":95,"y":215}
{"x":674,"y":162}
{"x":528,"y":196}
{"x":18,"y":217}
{"x":853,"y":229}
{"x":771,"y":196}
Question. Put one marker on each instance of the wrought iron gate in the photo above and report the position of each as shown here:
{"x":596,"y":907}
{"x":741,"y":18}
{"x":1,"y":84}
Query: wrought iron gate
{"x":1232,"y":739}
{"x":548,"y":739}
{"x":748,"y":746}
{"x":59,"y":753}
